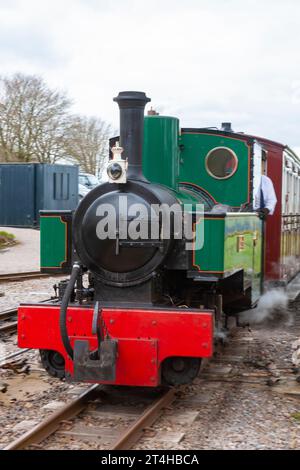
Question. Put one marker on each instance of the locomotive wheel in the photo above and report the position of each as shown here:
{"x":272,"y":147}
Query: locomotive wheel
{"x":180,"y":370}
{"x":53,"y":362}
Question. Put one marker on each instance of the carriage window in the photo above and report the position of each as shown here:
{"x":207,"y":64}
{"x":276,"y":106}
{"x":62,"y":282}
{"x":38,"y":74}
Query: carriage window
{"x":221,"y":162}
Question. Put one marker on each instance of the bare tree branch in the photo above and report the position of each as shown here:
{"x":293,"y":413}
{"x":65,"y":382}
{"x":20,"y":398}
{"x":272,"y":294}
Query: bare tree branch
{"x":33,"y":120}
{"x":88,"y":143}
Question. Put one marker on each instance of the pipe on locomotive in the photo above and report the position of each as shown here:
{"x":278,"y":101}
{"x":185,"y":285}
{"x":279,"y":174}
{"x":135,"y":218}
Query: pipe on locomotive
{"x":63,"y":309}
{"x":132,"y":105}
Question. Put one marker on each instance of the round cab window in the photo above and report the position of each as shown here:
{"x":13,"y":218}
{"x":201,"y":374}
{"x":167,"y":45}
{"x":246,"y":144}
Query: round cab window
{"x":221,"y":162}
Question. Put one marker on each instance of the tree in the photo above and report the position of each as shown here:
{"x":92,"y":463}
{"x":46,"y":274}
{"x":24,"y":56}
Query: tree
{"x":88,"y":143}
{"x":34,"y":120}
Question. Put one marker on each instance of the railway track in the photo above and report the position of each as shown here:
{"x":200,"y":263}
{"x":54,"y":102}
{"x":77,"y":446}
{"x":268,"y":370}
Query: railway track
{"x":8,"y":322}
{"x":24,"y":276}
{"x":81,"y":407}
{"x":5,"y":359}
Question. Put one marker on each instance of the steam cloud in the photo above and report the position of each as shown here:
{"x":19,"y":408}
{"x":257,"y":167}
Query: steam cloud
{"x":221,"y":334}
{"x":272,"y":308}
{"x":296,"y":353}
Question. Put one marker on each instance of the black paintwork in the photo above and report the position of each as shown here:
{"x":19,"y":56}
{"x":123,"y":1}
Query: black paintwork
{"x":132,"y":105}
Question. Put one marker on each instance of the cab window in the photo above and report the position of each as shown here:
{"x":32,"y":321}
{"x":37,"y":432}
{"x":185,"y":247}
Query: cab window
{"x":221,"y":162}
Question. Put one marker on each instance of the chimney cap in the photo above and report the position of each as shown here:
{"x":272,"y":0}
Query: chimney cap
{"x":226,"y":126}
{"x":126,"y":99}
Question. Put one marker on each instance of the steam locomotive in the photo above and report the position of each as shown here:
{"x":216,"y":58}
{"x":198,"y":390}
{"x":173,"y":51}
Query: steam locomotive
{"x":160,"y":256}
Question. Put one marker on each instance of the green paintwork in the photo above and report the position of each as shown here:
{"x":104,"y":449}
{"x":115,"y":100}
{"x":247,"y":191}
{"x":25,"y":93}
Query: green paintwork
{"x":169,"y":159}
{"x":219,"y":254}
{"x":210,"y":257}
{"x":53,"y":241}
{"x":161,"y":150}
{"x":190,"y":200}
{"x":232,"y":191}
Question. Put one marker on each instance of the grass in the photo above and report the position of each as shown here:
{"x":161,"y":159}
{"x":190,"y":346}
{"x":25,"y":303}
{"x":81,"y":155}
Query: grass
{"x":296,"y":416}
{"x":6,"y":239}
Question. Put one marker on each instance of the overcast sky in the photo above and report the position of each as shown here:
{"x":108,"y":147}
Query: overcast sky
{"x":205,"y":61}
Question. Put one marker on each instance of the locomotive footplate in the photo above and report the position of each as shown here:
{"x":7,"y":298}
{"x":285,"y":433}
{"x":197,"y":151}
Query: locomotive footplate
{"x":88,"y":369}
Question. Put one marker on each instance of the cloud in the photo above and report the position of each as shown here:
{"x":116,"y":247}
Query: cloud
{"x":28,"y":46}
{"x":205,"y":61}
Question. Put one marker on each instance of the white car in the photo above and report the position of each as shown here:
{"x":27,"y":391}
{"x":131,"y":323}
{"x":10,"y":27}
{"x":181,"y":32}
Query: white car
{"x":88,"y":180}
{"x":82,"y":191}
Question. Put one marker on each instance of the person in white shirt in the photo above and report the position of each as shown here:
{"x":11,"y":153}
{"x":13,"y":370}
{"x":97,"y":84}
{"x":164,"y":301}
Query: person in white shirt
{"x":265,"y":198}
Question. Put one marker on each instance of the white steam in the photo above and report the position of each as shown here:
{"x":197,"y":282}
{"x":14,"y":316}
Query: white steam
{"x":272,"y":307}
{"x":221,"y":334}
{"x":296,"y":353}
{"x":289,"y":266}
{"x":291,"y":263}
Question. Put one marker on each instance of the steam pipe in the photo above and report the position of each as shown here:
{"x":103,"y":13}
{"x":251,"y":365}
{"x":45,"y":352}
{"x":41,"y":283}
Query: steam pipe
{"x":132,"y":105}
{"x":63,"y":310}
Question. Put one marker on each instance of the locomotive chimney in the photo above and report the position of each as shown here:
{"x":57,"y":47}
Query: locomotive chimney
{"x":132,"y":105}
{"x":226,"y":126}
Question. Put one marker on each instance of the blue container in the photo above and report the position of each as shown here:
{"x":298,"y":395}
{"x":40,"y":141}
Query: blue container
{"x":27,"y":188}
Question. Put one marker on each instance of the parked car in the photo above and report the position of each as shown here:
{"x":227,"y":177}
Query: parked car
{"x":88,"y":180}
{"x":82,"y":191}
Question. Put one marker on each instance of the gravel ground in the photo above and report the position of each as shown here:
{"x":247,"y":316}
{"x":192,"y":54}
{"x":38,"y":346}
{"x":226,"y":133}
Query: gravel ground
{"x":30,"y":398}
{"x":28,"y":388}
{"x":21,"y":292}
{"x":27,"y":291}
{"x":231,"y":404}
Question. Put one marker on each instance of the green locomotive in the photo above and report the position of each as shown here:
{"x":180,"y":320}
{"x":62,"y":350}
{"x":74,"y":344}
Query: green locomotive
{"x":153,"y":299}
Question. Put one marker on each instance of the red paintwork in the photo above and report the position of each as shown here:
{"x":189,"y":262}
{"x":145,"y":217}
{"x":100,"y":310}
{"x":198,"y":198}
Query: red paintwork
{"x":273,"y":224}
{"x":145,"y":337}
{"x":272,"y":258}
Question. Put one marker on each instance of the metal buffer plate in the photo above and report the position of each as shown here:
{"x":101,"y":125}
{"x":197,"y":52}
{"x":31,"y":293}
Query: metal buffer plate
{"x":100,"y":364}
{"x":89,"y":369}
